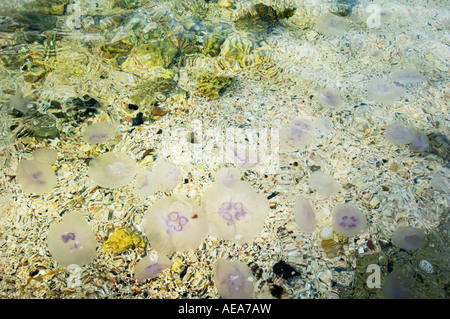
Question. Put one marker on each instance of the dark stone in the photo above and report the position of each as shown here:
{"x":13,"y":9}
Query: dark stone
{"x":276,"y":291}
{"x":284,"y":270}
{"x":138,"y":120}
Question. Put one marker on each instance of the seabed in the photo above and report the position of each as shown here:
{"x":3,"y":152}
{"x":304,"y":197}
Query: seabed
{"x":168,"y":73}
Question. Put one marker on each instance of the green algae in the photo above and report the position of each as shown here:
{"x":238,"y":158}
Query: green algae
{"x":147,"y":92}
{"x":212,"y":85}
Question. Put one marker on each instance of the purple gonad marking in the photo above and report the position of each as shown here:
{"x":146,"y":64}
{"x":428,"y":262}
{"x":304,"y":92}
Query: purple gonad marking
{"x":98,"y":138}
{"x":36,"y":177}
{"x":349,"y":222}
{"x":232,"y":211}
{"x":414,"y":240}
{"x":153,"y":270}
{"x":68,"y":236}
{"x":175,"y":221}
{"x":234,"y":281}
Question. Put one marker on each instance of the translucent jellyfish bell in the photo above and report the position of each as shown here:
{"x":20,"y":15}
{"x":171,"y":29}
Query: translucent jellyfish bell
{"x":348,"y":220}
{"x":112,"y":170}
{"x":150,"y":267}
{"x":237,"y":214}
{"x":98,"y":133}
{"x":323,"y":183}
{"x":228,"y":176}
{"x":166,"y":175}
{"x":296,"y":135}
{"x":233,"y":279}
{"x":409,"y":238}
{"x":71,"y":241}
{"x":174,"y":224}
{"x":304,"y":214}
{"x":384,"y":92}
{"x":35,"y":176}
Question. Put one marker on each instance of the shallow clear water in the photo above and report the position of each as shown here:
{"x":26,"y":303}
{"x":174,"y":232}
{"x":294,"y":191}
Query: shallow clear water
{"x":277,"y":89}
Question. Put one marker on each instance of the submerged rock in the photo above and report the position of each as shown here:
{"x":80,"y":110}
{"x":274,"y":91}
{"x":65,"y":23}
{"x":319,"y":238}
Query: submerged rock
{"x":261,"y":19}
{"x":150,"y":92}
{"x":212,"y":85}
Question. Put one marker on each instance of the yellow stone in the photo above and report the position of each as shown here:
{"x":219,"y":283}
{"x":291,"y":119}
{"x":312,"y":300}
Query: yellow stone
{"x":123,"y":239}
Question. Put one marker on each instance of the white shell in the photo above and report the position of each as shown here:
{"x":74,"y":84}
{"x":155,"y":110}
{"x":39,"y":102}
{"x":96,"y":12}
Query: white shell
{"x":427,"y":266}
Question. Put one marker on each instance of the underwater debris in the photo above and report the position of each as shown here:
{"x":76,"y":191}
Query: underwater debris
{"x":212,"y":85}
{"x":284,"y":270}
{"x":128,"y":4}
{"x":440,"y":146}
{"x":123,"y":239}
{"x":44,"y":7}
{"x":216,"y":37}
{"x":81,"y":109}
{"x":241,"y":50}
{"x":345,"y":7}
{"x":233,"y":279}
{"x":157,"y":53}
{"x":34,"y":73}
{"x":260,"y":19}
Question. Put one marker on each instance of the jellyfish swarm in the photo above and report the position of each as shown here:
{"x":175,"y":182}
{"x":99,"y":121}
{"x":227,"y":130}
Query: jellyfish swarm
{"x":348,"y":220}
{"x":304,"y":215}
{"x":150,"y":267}
{"x":233,"y":279}
{"x":71,"y":241}
{"x":234,"y":210}
{"x":384,"y":92}
{"x":112,"y":170}
{"x":409,"y":238}
{"x":174,"y":223}
{"x":296,"y":135}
